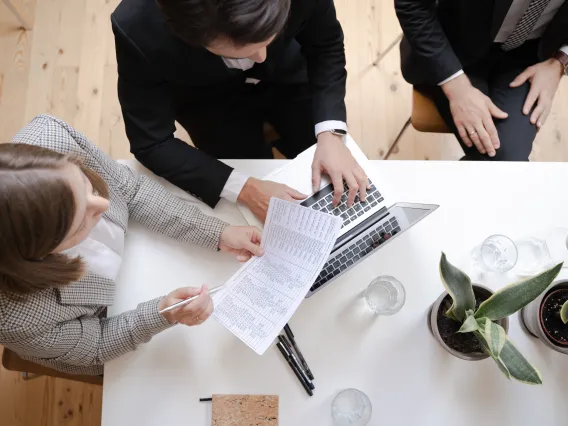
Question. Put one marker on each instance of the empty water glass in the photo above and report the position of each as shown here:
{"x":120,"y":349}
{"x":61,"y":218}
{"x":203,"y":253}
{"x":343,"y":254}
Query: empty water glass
{"x":534,"y":256}
{"x":385,"y":295}
{"x":351,"y":407}
{"x":557,"y":243}
{"x":497,"y":253}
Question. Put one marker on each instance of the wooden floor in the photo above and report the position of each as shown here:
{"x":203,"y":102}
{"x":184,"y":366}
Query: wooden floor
{"x":66,"y":67}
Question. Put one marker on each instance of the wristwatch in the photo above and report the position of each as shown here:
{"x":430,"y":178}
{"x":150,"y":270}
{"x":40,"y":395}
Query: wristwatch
{"x":338,"y":132}
{"x":562,"y":57}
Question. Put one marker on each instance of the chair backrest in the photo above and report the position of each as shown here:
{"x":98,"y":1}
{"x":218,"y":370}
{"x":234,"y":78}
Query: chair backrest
{"x":425,"y":115}
{"x":11,"y":361}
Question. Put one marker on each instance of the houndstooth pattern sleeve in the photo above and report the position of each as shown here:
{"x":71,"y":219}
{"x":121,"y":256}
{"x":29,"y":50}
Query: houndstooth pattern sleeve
{"x":148,"y":202}
{"x":80,"y":345}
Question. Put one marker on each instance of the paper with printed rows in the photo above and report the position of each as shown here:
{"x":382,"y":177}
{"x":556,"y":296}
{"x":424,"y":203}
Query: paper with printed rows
{"x":264,"y":294}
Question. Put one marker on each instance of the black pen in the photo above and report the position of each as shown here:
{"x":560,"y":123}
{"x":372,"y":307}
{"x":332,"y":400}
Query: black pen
{"x":290,"y":335}
{"x":293,"y":367}
{"x":286,"y":344}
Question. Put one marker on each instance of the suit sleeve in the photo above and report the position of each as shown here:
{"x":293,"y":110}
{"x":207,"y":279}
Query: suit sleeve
{"x":321,"y":39}
{"x":90,"y":341}
{"x":148,"y":109}
{"x":427,"y":39}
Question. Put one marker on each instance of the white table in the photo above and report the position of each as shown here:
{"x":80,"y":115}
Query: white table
{"x":408,"y":377}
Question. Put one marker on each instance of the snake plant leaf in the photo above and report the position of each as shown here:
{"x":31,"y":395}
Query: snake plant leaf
{"x":458,"y":285}
{"x":495,"y":336}
{"x":564,"y":313}
{"x":516,"y":296}
{"x":503,"y":368}
{"x":491,"y":336}
{"x":470,"y":324}
{"x":517,"y":365}
{"x":482,"y":340}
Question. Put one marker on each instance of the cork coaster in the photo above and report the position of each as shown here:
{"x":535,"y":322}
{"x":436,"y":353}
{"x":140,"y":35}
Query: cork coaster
{"x":245,"y":410}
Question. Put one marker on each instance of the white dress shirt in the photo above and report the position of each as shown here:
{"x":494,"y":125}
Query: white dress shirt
{"x":514,"y":15}
{"x":102,"y":249}
{"x":237,"y":180}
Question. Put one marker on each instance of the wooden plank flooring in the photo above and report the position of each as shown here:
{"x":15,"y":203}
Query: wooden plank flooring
{"x":66,"y":67}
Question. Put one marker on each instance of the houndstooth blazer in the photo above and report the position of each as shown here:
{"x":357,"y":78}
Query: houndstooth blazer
{"x":65,"y":328}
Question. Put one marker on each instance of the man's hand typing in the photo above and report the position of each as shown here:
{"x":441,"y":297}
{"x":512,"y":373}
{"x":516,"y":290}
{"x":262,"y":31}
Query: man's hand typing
{"x":335,"y":159}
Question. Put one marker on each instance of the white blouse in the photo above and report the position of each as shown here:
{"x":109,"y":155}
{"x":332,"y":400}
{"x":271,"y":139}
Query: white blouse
{"x":102,"y":249}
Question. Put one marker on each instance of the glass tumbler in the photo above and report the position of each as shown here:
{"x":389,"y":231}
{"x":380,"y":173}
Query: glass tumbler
{"x":351,"y":407}
{"x":385,"y":295}
{"x":497,"y":253}
{"x":534,"y":256}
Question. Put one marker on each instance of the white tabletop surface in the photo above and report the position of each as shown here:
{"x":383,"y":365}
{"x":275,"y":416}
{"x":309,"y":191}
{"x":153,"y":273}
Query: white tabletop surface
{"x":408,"y":377}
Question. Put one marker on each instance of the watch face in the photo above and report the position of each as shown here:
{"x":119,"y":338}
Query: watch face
{"x":339,"y":132}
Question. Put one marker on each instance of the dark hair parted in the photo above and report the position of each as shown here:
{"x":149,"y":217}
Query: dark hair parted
{"x":37,"y":207}
{"x":199,"y":22}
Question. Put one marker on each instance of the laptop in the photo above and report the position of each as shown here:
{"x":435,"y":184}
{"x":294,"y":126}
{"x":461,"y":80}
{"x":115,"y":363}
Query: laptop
{"x":367,"y":226}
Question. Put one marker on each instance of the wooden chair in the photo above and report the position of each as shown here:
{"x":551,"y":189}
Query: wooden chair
{"x":425,"y":115}
{"x":19,"y":14}
{"x":12,"y":362}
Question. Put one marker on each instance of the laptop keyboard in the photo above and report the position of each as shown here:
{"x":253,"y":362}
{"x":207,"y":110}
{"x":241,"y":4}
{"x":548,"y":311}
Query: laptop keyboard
{"x":323,"y":201}
{"x":357,"y":251}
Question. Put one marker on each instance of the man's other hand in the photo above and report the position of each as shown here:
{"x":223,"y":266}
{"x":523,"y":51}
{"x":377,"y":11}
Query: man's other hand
{"x":473,"y":114}
{"x":335,"y":159}
{"x":256,"y":195}
{"x":544,"y":78}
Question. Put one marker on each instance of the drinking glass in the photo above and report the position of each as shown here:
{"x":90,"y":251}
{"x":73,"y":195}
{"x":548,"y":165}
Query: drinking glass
{"x":351,"y":407}
{"x":497,"y":253}
{"x":385,"y":295}
{"x":557,"y":242}
{"x":534,"y":256}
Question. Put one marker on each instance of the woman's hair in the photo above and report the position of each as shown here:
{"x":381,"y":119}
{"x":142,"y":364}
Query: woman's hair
{"x":37,"y":207}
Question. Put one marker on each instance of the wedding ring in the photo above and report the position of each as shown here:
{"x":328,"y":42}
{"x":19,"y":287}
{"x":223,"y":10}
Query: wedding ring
{"x":473,"y":132}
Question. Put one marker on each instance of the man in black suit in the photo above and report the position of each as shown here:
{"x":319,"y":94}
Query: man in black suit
{"x":491,"y":66}
{"x":222,"y":68}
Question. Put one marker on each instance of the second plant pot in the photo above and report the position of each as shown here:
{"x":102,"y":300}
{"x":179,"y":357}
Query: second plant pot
{"x":464,"y":346}
{"x":541,"y":317}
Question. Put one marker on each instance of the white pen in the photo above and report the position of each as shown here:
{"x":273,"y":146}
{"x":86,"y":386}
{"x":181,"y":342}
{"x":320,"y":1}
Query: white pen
{"x":186,"y":301}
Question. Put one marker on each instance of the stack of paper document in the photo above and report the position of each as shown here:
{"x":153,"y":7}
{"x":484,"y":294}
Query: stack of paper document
{"x":262,"y":296}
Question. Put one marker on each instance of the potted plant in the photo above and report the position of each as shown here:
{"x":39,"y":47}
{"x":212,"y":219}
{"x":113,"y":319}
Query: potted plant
{"x":547,"y":317}
{"x":471,"y":322}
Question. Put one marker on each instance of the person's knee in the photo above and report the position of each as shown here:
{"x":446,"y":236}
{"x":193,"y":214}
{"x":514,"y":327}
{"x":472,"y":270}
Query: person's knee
{"x":516,"y":136}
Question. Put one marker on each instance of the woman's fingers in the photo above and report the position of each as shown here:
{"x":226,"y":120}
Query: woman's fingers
{"x":183,"y":293}
{"x":256,"y":235}
{"x":193,"y":308}
{"x":253,"y":248}
{"x":201,"y":317}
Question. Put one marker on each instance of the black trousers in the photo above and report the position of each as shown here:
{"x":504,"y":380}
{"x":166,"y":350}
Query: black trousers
{"x":228,"y":121}
{"x":492,"y":76}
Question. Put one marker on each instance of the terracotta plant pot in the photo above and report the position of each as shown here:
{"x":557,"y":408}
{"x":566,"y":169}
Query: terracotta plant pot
{"x":531,"y":317}
{"x":482,"y":293}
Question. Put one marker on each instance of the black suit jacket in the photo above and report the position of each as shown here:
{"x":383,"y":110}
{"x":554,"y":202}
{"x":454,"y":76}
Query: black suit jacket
{"x":159,"y":75}
{"x":441,"y":37}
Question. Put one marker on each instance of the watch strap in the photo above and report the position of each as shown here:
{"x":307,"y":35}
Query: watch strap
{"x":339,"y":132}
{"x":562,"y":57}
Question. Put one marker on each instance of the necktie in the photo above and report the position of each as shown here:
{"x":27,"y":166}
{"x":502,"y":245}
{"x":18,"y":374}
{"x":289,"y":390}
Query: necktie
{"x":525,"y":26}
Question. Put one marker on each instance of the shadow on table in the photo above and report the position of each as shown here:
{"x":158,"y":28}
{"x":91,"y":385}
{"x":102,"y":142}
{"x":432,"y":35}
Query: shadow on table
{"x":356,"y":313}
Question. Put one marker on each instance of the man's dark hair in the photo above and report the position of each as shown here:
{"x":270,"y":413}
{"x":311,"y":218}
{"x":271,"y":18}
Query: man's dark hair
{"x":199,"y":22}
